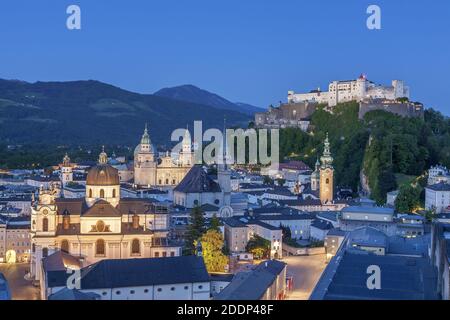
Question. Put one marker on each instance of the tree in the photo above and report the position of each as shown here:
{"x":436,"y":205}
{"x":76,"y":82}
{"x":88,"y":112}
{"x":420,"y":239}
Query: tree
{"x":408,"y":198}
{"x":214,"y":223}
{"x":267,"y":180}
{"x":259,"y":247}
{"x":212,"y":245}
{"x":281,"y":182}
{"x":195,"y":230}
{"x":286,"y":233}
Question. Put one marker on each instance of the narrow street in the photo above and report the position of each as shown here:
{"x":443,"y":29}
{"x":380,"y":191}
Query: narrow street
{"x":21,"y":289}
{"x":306,"y":271}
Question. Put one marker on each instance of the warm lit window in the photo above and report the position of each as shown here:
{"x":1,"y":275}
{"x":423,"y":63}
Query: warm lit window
{"x":100,"y":247}
{"x":65,"y":246}
{"x":45,"y":224}
{"x":135,"y":247}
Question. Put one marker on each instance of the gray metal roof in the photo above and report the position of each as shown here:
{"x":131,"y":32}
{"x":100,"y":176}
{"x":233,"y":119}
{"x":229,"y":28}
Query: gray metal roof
{"x":197,"y":181}
{"x":119,"y":273}
{"x":253,"y":284}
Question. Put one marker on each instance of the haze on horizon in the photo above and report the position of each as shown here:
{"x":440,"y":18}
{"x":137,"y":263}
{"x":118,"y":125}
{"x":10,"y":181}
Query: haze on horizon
{"x":246,"y":51}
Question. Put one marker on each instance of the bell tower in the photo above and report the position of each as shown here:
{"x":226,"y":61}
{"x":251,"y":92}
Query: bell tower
{"x":66,"y":171}
{"x":145,"y":162}
{"x":326,"y":174}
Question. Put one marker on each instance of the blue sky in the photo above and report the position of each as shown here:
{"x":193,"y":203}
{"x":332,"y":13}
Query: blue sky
{"x":245,"y":50}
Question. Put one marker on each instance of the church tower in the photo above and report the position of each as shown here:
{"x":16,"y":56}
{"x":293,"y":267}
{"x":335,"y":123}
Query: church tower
{"x":315,"y":177}
{"x":223,"y":172}
{"x":66,"y":171}
{"x":326,"y":174}
{"x":144,"y":162}
{"x":186,"y":155}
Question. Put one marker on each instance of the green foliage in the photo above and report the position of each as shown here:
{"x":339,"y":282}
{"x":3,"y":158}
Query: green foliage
{"x":92,"y":112}
{"x":286,"y":232}
{"x":381,"y":145}
{"x":212,"y":245}
{"x":408,"y":199}
{"x":214,"y":224}
{"x":195,"y":230}
{"x":267,"y":180}
{"x":259,"y":247}
{"x":281,"y":181}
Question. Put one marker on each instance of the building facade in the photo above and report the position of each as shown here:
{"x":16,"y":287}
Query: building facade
{"x":352,"y":90}
{"x":150,"y":170}
{"x":102,"y":225}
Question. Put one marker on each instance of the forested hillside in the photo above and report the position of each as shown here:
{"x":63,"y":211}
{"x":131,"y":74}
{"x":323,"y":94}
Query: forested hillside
{"x":385,"y":147}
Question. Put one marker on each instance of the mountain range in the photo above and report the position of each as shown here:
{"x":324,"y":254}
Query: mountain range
{"x":196,"y":95}
{"x":91,"y":112}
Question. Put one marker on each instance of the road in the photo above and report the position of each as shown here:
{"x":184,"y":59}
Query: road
{"x":306,"y":271}
{"x":21,"y":289}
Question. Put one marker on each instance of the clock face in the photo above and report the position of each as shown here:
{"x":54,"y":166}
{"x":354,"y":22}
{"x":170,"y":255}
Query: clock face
{"x":226,"y":212}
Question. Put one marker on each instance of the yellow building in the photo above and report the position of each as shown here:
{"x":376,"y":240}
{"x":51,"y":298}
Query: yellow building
{"x":326,"y":174}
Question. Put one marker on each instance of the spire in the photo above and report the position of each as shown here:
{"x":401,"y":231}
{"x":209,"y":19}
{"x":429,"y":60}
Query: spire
{"x":224,"y":146}
{"x":103,"y":157}
{"x":187,"y":137}
{"x":145,"y":137}
{"x":326,"y":158}
{"x":66,"y":160}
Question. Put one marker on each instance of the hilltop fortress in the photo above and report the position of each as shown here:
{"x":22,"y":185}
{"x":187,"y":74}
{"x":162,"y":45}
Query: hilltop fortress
{"x":352,"y":90}
{"x":370,"y":96}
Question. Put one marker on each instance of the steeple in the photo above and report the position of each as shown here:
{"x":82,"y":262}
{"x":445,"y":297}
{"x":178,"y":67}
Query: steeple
{"x":66,"y":160}
{"x":103,"y":157}
{"x":187,"y":140}
{"x":145,"y":140}
{"x":326,"y":158}
{"x":326,"y":174}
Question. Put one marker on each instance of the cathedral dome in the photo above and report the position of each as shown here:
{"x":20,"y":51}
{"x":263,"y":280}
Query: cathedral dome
{"x":103,"y":175}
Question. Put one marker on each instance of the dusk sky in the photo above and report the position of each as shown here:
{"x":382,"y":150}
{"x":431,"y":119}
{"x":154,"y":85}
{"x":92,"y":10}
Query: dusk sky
{"x":244,"y":50}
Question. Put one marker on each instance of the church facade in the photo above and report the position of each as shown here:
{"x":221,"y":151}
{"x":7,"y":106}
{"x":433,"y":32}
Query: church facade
{"x":151,"y":171}
{"x":101,"y":225}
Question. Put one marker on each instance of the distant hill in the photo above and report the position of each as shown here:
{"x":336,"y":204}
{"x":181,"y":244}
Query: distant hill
{"x":196,"y":95}
{"x":92,"y":112}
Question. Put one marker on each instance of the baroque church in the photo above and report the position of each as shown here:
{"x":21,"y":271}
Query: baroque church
{"x":151,"y":171}
{"x":100,"y":225}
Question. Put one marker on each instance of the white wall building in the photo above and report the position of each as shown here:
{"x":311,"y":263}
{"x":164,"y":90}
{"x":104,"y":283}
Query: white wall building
{"x":437,"y":197}
{"x":177,"y":278}
{"x":351,"y":90}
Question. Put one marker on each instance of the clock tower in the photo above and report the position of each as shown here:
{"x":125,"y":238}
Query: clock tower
{"x":326,"y":174}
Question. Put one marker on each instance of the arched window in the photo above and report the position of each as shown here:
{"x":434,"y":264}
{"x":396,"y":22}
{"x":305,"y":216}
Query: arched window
{"x":167,"y":181}
{"x":44,"y":252}
{"x":90,"y":193}
{"x":135,"y":246}
{"x":114,"y":193}
{"x":327,"y":181}
{"x":102,"y":193}
{"x":45,"y":224}
{"x":65,"y":246}
{"x":100,"y":247}
{"x":33,"y":248}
